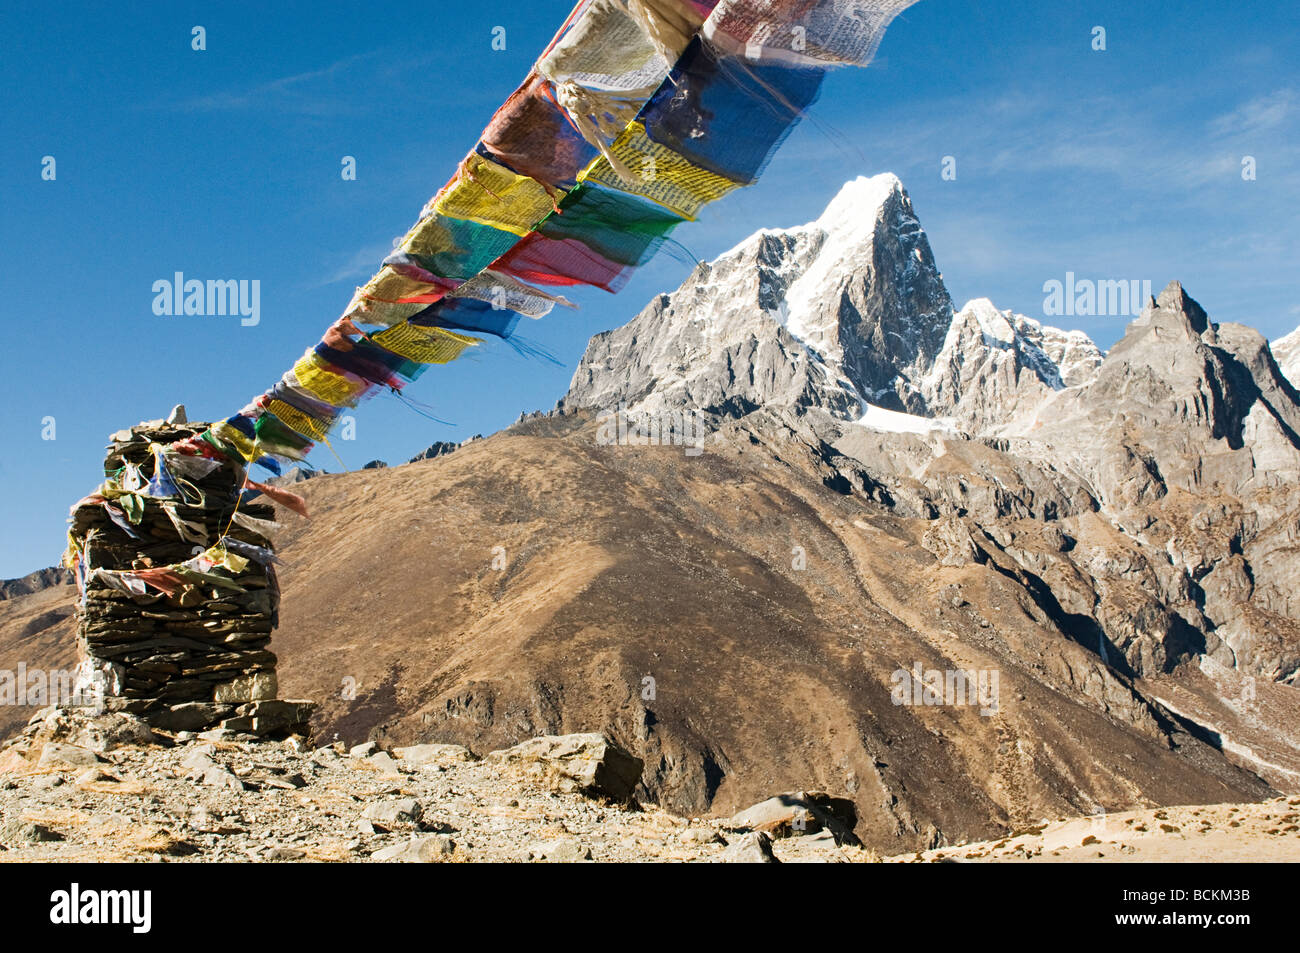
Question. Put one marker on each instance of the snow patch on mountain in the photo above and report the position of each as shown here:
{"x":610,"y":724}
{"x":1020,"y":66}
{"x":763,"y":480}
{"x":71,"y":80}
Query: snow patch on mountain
{"x":893,"y":421}
{"x":1286,"y":351}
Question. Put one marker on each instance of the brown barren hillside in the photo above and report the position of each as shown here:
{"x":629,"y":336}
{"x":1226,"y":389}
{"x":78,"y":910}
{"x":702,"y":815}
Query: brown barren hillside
{"x":624,"y":565}
{"x":37,"y":632}
{"x":726,"y":616}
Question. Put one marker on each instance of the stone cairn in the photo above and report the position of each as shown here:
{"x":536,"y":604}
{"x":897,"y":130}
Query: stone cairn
{"x":197,"y":658}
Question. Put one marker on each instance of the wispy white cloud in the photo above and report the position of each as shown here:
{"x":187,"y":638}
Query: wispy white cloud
{"x":328,"y":91}
{"x":1144,"y":146}
{"x":1255,"y":115}
{"x":358,"y":267}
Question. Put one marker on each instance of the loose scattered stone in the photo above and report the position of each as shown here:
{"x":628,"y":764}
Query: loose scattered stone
{"x":216,"y":734}
{"x":468,"y":810}
{"x":589,"y":763}
{"x":418,"y":850}
{"x":560,"y":852}
{"x":383,"y":762}
{"x":285,"y":853}
{"x":56,"y":755}
{"x":394,"y":815}
{"x":433,"y":755}
{"x":39,"y":833}
{"x":752,"y":848}
{"x":94,"y":775}
{"x":700,"y":835}
{"x":219,"y":777}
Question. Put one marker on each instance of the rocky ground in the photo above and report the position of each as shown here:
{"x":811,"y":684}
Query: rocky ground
{"x":112,"y":790}
{"x":230,"y":798}
{"x":1238,"y":833}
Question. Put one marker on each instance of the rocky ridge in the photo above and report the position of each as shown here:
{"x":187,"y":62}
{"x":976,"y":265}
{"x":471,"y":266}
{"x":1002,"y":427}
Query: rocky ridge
{"x":1158,"y":477}
{"x":35,"y":582}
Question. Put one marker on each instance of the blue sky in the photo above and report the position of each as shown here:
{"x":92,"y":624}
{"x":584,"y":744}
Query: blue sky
{"x":224,"y":163}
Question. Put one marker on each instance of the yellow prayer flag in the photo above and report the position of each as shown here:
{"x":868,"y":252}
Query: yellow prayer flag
{"x":490,"y":194}
{"x":326,"y":385}
{"x":659,"y":174}
{"x":245,"y":445}
{"x":218,"y":555}
{"x":389,"y":285}
{"x":295,"y":419}
{"x":426,"y":345}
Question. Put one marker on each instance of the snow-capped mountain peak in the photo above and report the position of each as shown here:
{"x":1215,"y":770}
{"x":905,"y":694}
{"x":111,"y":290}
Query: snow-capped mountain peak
{"x":995,"y":325}
{"x":850,"y":214}
{"x":847,"y":227}
{"x":816,"y":254}
{"x":996,"y":365}
{"x":845,"y":313}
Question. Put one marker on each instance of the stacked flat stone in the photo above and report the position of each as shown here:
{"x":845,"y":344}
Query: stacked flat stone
{"x":199,"y":658}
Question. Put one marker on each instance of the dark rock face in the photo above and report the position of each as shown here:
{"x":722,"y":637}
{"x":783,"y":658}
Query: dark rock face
{"x":441,"y":448}
{"x":894,"y":313}
{"x":433,"y":450}
{"x":36,"y":581}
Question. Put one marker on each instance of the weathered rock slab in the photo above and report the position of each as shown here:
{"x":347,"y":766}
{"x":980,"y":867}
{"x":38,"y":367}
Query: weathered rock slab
{"x":589,"y":763}
{"x":752,"y":848}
